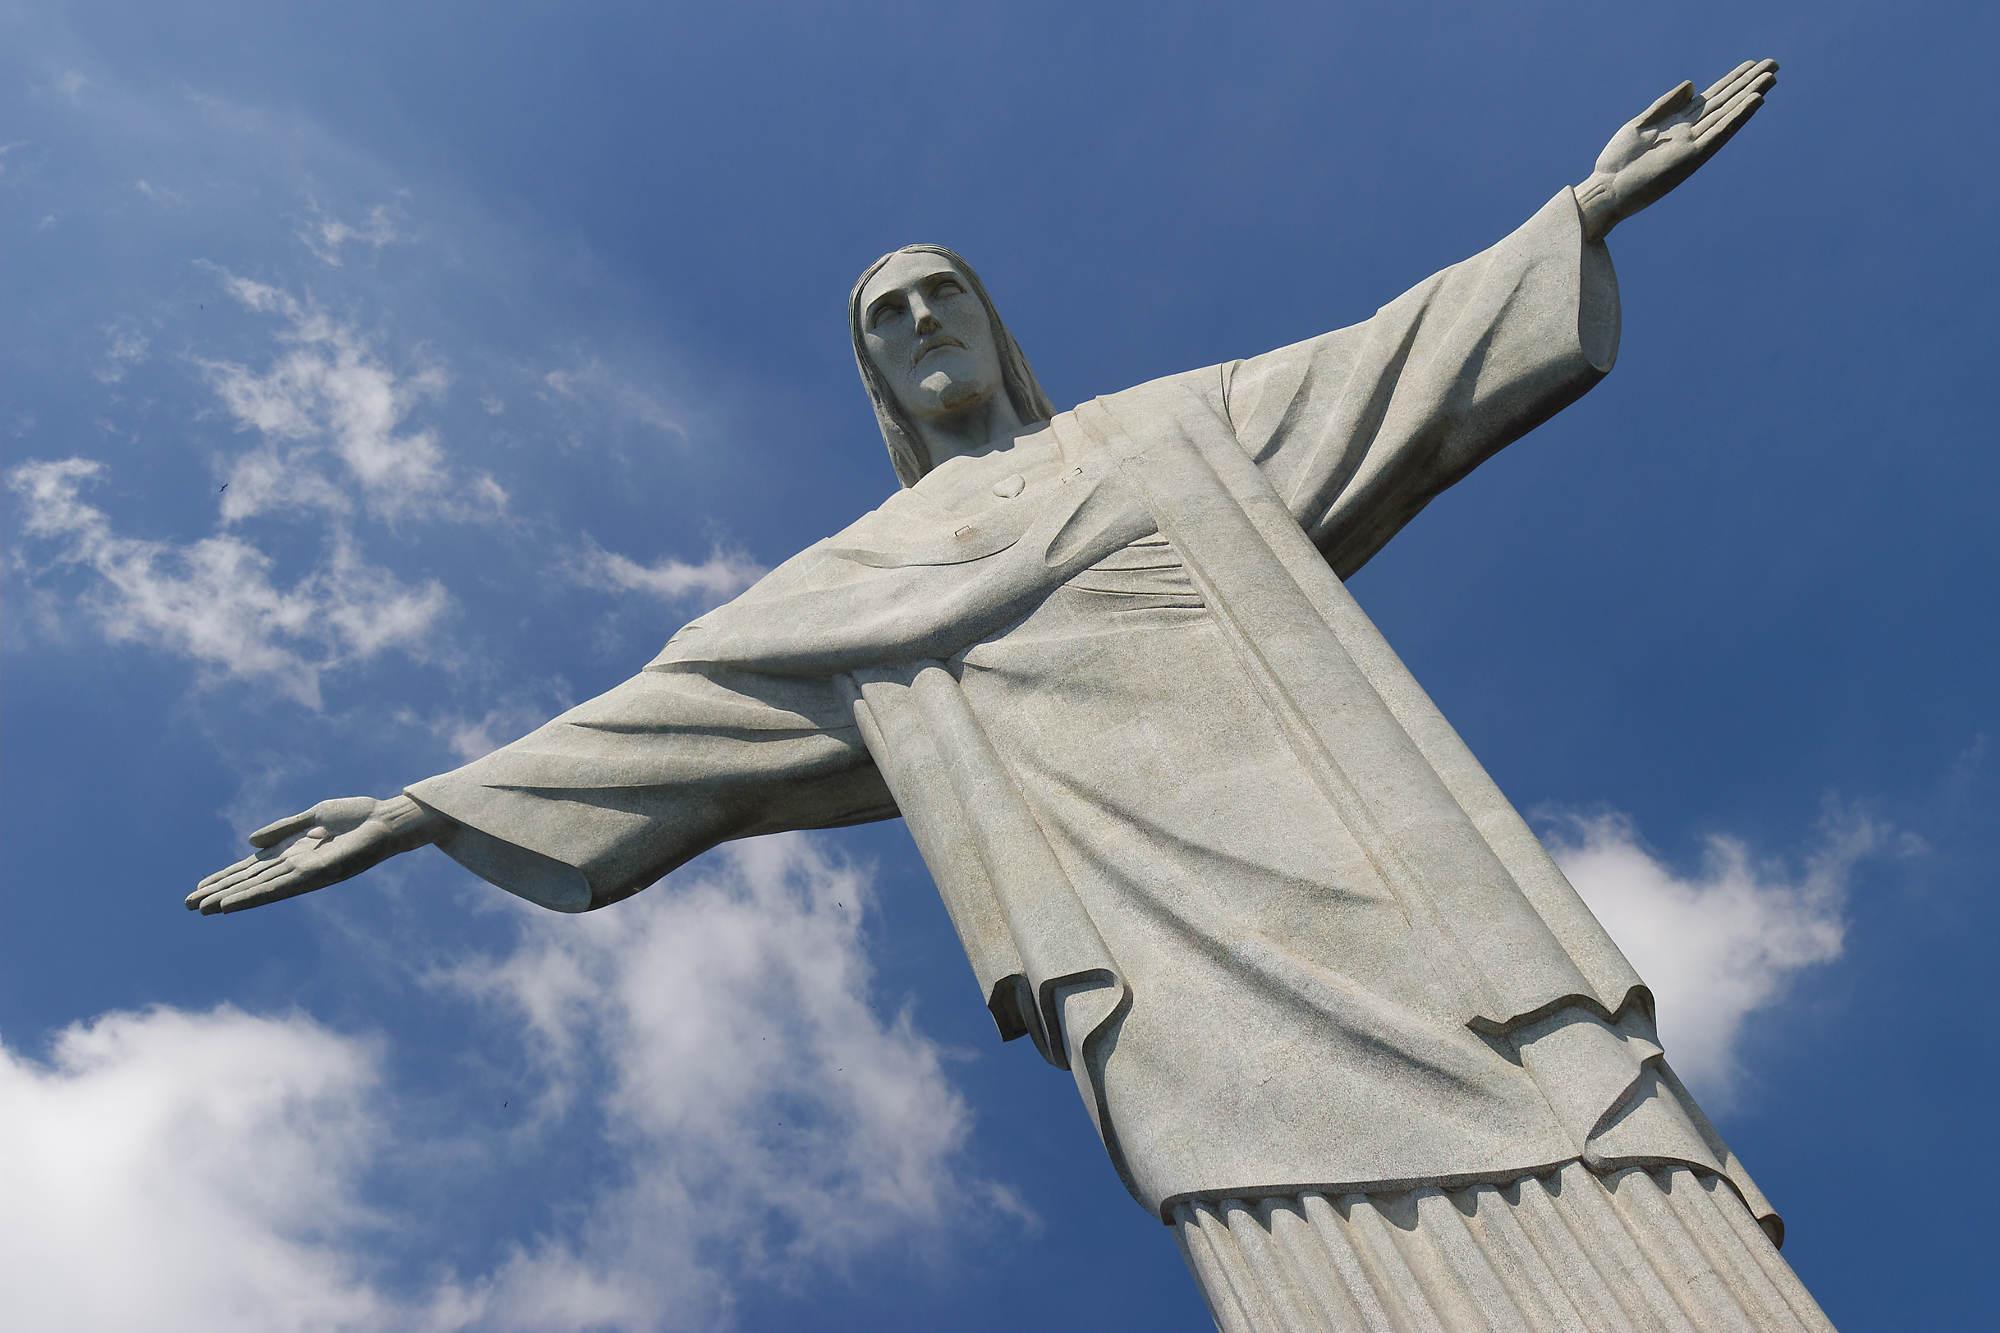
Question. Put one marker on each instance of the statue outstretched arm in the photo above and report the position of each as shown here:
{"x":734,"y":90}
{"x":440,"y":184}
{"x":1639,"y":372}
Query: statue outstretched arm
{"x":1360,"y":428}
{"x":333,"y":841}
{"x":601,"y":801}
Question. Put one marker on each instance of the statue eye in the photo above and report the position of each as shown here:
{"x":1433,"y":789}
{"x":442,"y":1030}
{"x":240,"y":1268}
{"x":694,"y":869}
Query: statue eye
{"x":947,"y":287}
{"x":885,"y":311}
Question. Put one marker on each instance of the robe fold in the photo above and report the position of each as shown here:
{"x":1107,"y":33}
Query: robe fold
{"x":1204,"y":839}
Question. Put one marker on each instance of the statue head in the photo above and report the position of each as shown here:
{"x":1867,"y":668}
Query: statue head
{"x":931,"y":347}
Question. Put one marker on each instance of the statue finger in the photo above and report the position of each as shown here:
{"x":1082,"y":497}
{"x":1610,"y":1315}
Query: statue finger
{"x":212,"y":901}
{"x":1669,"y":102}
{"x":206,"y":887}
{"x":226,"y":871}
{"x":223,"y":880}
{"x":1724,"y":129}
{"x":1721,"y":111}
{"x":1744,"y":80}
{"x":1758,"y":80}
{"x":215,"y":893}
{"x":289,"y":885}
{"x":1716,"y":114}
{"x":1721,"y":85}
{"x":284,"y":828}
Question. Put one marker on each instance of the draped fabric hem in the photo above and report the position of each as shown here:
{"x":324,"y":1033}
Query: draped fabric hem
{"x":1660,"y":1247}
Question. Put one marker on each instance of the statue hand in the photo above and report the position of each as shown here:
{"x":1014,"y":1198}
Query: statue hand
{"x":334,"y":840}
{"x":1662,"y":148}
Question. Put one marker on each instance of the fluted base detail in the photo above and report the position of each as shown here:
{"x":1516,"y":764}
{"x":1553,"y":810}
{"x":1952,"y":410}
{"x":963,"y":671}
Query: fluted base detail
{"x":1670,"y":1248}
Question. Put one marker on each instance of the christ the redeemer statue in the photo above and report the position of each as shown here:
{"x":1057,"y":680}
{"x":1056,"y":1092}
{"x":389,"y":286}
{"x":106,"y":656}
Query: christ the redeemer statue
{"x":1341,"y":1023}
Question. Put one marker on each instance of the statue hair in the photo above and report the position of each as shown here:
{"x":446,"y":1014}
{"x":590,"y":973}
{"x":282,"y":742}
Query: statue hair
{"x":906,"y":446}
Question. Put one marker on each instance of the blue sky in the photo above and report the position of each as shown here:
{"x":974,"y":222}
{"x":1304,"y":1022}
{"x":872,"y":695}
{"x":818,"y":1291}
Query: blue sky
{"x":518,"y":336}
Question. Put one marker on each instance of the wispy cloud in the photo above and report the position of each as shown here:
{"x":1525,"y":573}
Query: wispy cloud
{"x":125,"y":346}
{"x":725,"y":573}
{"x":215,"y":600}
{"x":1723,"y":943}
{"x":469,"y":736}
{"x":160,"y":194}
{"x":326,"y":390}
{"x":327,"y":236}
{"x":592,"y":382}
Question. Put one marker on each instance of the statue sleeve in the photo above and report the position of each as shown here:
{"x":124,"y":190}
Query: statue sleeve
{"x":1360,"y":428}
{"x":607,"y":798}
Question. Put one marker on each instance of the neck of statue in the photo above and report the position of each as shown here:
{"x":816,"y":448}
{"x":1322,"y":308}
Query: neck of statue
{"x":981,"y":428}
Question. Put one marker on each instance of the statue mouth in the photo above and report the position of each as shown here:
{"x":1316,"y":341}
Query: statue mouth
{"x":946,"y":341}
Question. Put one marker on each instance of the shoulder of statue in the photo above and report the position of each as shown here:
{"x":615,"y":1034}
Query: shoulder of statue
{"x":1179,"y":404}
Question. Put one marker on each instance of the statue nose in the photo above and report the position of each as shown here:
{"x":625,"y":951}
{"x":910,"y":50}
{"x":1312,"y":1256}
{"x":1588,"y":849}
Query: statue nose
{"x":926,"y":321}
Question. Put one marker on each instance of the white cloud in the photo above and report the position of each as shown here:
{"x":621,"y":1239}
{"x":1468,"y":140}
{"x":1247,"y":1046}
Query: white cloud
{"x":71,"y":84}
{"x":469,"y":737}
{"x":125,"y":346}
{"x":766,"y":1117}
{"x":724,"y":574}
{"x":327,"y":388}
{"x":1963,"y":774}
{"x":326,"y":236}
{"x":215,"y":601}
{"x":159,"y":194}
{"x":490,"y":493}
{"x":595,"y":383}
{"x":1724,"y":943}
{"x":6,"y":148}
{"x":773,"y":1117}
{"x":269,"y":477}
{"x":171,"y":1170}
{"x":266,"y":777}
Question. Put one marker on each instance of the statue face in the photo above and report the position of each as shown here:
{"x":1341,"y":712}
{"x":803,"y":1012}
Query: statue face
{"x":929,"y":337}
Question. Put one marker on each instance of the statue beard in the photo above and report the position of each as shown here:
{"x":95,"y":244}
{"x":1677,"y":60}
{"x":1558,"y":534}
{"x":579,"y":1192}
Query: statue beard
{"x":953,"y":396}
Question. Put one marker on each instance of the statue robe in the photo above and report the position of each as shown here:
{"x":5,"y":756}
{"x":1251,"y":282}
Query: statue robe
{"x":1206,"y":842}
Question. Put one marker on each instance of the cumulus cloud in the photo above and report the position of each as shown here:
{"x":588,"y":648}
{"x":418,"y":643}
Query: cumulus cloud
{"x":724,"y":574}
{"x":773,"y":1116}
{"x":326,"y":236}
{"x":764,"y":1116}
{"x":1722,"y":943}
{"x":329,"y":391}
{"x":211,"y":1160}
{"x":215,"y":600}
